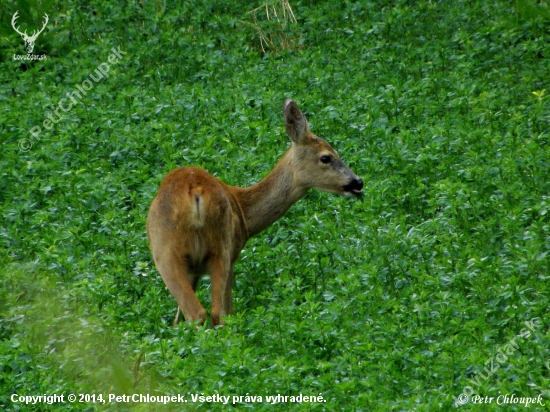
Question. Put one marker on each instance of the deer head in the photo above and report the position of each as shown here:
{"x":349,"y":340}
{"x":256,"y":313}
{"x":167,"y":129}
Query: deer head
{"x":29,"y":40}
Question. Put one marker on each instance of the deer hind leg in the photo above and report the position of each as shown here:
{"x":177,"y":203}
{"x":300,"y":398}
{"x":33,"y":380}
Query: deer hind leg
{"x":181,"y":284}
{"x":178,"y":310}
{"x":221,"y":275}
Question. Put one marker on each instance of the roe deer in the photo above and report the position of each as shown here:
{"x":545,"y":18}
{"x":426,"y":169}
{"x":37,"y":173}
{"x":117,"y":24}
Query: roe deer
{"x":198,"y":224}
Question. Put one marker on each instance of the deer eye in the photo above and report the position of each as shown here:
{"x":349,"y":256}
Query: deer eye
{"x":326,"y":159}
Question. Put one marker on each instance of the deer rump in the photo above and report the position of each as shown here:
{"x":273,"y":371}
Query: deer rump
{"x":196,"y":215}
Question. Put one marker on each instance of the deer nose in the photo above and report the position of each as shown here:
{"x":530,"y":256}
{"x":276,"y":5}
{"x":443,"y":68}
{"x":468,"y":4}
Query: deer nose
{"x":354,"y":186}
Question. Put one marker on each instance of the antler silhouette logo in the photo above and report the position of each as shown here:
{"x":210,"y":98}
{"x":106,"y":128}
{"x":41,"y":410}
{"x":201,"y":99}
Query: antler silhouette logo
{"x":29,"y":40}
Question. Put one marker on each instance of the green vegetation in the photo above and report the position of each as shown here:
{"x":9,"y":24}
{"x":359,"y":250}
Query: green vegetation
{"x":394,"y":301}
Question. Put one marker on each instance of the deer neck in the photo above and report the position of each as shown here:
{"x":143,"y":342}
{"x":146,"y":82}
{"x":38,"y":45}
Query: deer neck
{"x":265,"y":202}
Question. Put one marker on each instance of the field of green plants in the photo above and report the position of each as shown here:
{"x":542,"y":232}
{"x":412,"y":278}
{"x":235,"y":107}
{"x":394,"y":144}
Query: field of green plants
{"x":428,"y":293}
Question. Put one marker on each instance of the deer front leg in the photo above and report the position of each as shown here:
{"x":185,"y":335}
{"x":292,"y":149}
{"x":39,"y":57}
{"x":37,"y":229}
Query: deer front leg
{"x":177,"y":317}
{"x":227,"y":301}
{"x":221,"y":274}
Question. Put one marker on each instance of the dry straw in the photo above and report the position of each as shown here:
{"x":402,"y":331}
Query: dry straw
{"x":272,"y":22}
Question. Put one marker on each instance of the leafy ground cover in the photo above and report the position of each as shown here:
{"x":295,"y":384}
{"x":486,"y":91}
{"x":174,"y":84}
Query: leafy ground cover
{"x":406,"y":299}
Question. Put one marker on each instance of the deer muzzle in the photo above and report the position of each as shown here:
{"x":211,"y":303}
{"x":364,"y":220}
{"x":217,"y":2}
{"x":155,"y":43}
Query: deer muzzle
{"x":354,"y":187}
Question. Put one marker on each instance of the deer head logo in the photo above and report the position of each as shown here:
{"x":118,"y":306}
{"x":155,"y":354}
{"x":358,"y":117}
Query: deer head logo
{"x":29,"y":40}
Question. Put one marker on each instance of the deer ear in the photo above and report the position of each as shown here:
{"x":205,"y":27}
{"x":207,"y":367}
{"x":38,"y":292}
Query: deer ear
{"x":295,"y":122}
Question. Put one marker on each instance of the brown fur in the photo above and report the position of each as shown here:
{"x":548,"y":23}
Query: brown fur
{"x":198,"y":224}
